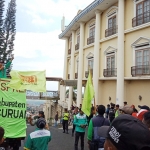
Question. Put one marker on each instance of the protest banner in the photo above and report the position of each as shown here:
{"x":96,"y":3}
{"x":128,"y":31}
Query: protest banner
{"x":12,"y":110}
{"x":29,"y":80}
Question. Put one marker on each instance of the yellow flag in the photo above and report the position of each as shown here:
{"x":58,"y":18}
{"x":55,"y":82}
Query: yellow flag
{"x":29,"y":80}
{"x":88,"y":96}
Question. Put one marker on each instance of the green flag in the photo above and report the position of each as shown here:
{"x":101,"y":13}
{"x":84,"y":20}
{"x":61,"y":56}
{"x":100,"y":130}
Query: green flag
{"x":12,"y":111}
{"x":29,"y":80}
{"x":88,"y":96}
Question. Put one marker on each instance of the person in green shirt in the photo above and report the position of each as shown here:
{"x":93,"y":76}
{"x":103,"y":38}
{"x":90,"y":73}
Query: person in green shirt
{"x":80,"y":121}
{"x":65,"y":121}
{"x":3,"y":67}
{"x":39,"y":139}
{"x":117,"y":111}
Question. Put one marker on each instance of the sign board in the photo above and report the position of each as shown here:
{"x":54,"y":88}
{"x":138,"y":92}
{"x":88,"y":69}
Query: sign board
{"x":12,"y":111}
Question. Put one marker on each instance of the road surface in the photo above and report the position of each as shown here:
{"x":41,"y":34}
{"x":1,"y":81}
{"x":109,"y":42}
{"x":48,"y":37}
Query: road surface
{"x":60,"y":140}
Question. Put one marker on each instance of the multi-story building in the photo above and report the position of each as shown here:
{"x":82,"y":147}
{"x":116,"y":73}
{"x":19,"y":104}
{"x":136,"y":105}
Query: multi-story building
{"x":112,"y":37}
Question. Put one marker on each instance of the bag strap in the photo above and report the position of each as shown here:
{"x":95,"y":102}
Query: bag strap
{"x":103,"y":122}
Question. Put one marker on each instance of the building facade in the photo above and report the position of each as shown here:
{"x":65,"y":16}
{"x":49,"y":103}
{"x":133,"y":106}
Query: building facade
{"x":112,"y":38}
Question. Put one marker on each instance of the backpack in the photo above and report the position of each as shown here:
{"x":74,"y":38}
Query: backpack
{"x":98,"y":143}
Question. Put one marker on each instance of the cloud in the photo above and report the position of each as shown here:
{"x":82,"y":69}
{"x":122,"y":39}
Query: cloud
{"x":35,"y":48}
{"x":52,"y":8}
{"x":39,"y":51}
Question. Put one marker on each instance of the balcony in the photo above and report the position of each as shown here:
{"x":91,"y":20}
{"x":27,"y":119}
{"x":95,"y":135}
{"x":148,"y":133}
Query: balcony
{"x":111,"y":31}
{"x":68,"y":76}
{"x":110,"y":72}
{"x":141,"y":19}
{"x":90,"y":40}
{"x":77,"y":46}
{"x":140,"y":70}
{"x":87,"y":73}
{"x":76,"y":75}
{"x":69,"y":51}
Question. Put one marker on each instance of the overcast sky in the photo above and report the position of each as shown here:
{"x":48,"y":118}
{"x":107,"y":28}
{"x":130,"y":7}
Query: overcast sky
{"x":38,"y":24}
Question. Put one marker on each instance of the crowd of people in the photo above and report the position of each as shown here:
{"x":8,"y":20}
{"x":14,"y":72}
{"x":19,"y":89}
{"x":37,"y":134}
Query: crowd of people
{"x":111,"y":128}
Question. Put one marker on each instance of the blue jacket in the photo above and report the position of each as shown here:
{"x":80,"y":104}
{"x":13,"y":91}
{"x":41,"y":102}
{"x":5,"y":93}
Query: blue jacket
{"x":80,"y":120}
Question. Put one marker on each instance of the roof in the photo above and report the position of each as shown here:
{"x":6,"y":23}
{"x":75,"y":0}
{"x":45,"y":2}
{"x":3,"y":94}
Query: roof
{"x":80,"y":15}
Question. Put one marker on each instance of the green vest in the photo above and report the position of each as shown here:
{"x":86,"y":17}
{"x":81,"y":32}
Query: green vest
{"x":66,"y":116}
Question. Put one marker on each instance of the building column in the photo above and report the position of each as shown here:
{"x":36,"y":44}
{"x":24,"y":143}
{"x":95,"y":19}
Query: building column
{"x":96,"y":57}
{"x":63,"y":96}
{"x":120,"y":55}
{"x":80,"y":69}
{"x":72,"y":70}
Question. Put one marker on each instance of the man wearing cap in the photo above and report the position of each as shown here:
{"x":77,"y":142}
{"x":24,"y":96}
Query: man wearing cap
{"x":126,"y":133}
{"x":126,"y":110}
{"x":39,"y":139}
{"x":143,"y":110}
{"x":95,"y":141}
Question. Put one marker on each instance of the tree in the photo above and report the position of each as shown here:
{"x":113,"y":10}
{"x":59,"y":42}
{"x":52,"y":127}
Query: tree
{"x":7,"y":31}
{"x":1,"y":24}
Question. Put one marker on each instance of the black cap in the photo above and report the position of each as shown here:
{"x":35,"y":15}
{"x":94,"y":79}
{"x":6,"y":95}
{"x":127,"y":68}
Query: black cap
{"x":41,"y":123}
{"x":127,"y":133}
{"x":144,"y":107}
{"x":41,"y":112}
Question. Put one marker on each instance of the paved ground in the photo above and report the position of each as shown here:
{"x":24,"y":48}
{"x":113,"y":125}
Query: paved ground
{"x":60,"y":140}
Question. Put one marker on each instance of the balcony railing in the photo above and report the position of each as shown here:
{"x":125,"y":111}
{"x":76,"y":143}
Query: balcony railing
{"x":87,"y":73}
{"x":76,"y":75}
{"x":68,"y":76}
{"x":90,"y":40}
{"x":141,"y":19}
{"x":77,"y":46}
{"x":110,"y":72}
{"x":69,"y":51}
{"x":140,"y":70}
{"x":111,"y":31}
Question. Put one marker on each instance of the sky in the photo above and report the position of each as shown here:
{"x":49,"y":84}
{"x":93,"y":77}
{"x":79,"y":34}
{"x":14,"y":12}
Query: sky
{"x":38,"y":24}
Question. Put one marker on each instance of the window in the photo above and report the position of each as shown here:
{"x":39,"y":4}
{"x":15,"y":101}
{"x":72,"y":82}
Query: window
{"x":91,"y":33}
{"x":78,"y":41}
{"x":141,"y":57}
{"x":111,"y":21}
{"x":70,"y":44}
{"x":142,"y":13}
{"x":78,"y":38}
{"x":142,"y":61}
{"x":112,"y":28}
{"x":90,"y":63}
{"x":110,"y":62}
